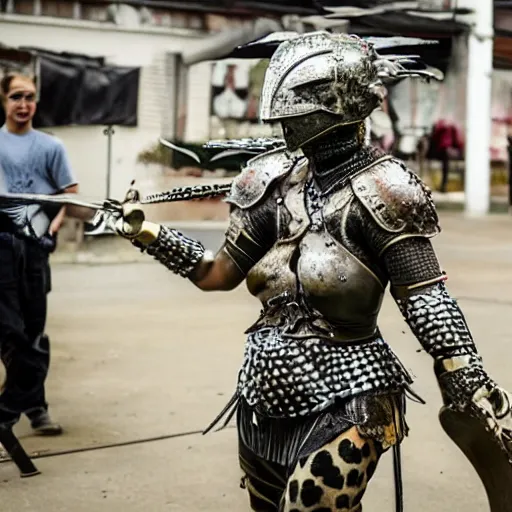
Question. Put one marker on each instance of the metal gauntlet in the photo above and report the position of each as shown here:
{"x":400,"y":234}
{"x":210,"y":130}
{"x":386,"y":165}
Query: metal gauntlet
{"x":177,"y":252}
{"x":439,"y":325}
{"x":435,"y":319}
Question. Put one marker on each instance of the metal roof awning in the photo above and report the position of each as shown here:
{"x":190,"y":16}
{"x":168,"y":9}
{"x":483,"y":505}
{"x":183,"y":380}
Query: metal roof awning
{"x":405,"y":24}
{"x":341,"y":8}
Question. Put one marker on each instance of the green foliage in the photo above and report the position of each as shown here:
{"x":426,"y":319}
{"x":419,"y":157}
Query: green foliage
{"x":155,"y":154}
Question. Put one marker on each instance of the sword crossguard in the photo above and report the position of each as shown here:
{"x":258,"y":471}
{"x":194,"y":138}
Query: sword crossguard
{"x":133,"y":195}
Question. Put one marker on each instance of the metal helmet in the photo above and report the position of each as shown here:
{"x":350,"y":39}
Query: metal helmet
{"x":318,"y":81}
{"x":320,"y":73}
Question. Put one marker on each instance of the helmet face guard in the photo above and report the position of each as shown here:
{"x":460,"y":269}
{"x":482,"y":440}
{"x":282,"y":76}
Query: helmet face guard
{"x":301,"y":130}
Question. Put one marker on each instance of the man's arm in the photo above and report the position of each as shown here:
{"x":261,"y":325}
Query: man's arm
{"x":65,"y":182}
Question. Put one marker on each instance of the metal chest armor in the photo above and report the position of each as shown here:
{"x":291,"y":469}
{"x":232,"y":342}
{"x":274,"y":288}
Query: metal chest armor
{"x":322,"y":288}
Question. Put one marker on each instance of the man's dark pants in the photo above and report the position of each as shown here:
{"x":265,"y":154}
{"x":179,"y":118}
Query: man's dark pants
{"x":24,"y":348}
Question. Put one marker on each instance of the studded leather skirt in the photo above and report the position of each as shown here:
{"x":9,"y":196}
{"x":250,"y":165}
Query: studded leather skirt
{"x":287,"y":377}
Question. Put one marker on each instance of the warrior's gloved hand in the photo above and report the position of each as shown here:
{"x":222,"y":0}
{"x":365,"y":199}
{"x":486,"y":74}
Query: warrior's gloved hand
{"x":133,"y":226}
{"x":494,"y":404}
{"x":180,"y":254}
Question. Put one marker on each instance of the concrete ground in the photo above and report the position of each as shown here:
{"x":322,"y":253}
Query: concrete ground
{"x":139,"y":353}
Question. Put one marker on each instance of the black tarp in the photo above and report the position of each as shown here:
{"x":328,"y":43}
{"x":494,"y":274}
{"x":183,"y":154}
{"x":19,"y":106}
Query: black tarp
{"x":234,"y":7}
{"x":82,"y":90}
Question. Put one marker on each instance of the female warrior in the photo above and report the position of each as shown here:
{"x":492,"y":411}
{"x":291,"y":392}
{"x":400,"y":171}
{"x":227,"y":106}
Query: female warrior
{"x":318,"y":230}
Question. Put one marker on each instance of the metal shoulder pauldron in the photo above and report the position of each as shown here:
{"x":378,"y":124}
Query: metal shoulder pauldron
{"x":249,"y":187}
{"x":397,"y":199}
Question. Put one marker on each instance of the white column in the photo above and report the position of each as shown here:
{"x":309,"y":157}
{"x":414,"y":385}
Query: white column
{"x":478,"y":110}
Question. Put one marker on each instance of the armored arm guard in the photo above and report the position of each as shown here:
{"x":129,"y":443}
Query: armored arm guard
{"x":249,"y":236}
{"x":401,"y":218}
{"x":179,"y":253}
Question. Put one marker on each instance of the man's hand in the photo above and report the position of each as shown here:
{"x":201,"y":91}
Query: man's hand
{"x":57,"y":222}
{"x":59,"y":218}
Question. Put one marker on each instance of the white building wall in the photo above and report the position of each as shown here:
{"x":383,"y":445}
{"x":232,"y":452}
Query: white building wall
{"x":146,"y":47}
{"x":197,"y":127}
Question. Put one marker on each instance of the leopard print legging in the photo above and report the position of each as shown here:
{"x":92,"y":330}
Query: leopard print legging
{"x":334,"y":478}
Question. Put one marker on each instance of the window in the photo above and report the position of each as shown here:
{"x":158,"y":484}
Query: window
{"x":57,"y":8}
{"x":24,"y":7}
{"x":196,"y":21}
{"x":159,"y":17}
{"x":94,"y":12}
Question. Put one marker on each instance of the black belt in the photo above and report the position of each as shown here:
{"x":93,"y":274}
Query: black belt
{"x":6,"y":224}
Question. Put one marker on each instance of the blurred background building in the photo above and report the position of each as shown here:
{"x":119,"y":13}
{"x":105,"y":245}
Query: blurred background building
{"x":114,"y":77}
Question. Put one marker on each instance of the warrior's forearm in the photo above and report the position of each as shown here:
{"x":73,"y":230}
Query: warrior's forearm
{"x":417,"y":284}
{"x":188,"y":258}
{"x":434,"y":317}
{"x":439,"y":325}
{"x":180,"y":254}
{"x":437,"y":321}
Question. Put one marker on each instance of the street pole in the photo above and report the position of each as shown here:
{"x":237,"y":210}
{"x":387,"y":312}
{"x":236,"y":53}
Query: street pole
{"x":478,"y":110}
{"x":509,"y":147}
{"x":109,"y":131}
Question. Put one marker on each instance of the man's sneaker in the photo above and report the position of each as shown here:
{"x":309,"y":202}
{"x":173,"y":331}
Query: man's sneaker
{"x":44,"y":426}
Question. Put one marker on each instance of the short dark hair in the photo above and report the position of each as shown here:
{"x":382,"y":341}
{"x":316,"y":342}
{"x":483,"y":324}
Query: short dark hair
{"x":5,"y":83}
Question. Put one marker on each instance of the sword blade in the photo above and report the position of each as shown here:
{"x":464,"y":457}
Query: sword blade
{"x":12,"y":199}
{"x":187,"y":193}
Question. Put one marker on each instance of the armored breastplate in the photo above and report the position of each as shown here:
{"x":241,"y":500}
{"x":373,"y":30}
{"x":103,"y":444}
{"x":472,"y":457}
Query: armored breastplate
{"x":309,"y":283}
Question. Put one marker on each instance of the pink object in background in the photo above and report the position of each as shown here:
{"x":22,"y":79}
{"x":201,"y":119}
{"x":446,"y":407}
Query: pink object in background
{"x":448,"y":138}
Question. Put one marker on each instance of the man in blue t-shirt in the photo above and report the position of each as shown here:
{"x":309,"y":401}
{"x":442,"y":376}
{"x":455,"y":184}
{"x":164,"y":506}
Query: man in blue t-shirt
{"x":30,"y":162}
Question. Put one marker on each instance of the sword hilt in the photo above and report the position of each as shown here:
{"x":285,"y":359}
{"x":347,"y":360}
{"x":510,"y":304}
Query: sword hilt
{"x":133,"y":195}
